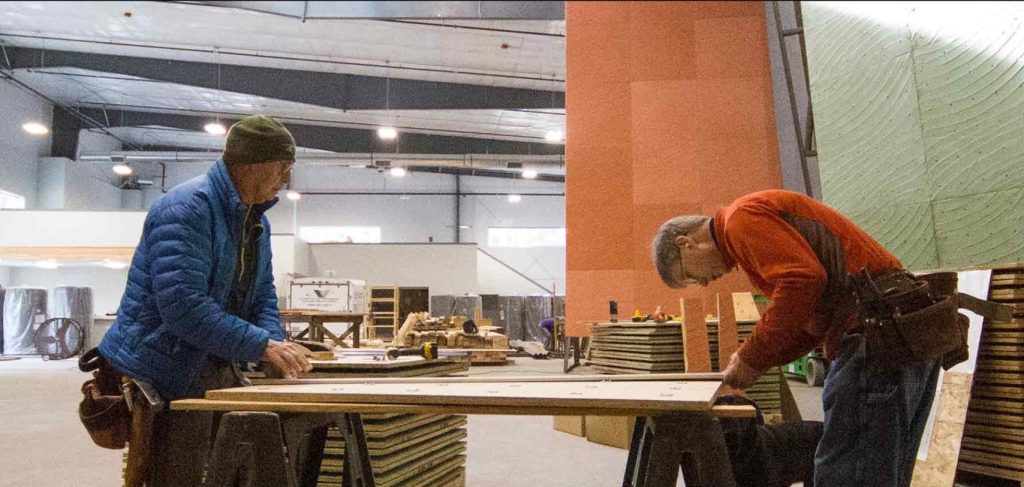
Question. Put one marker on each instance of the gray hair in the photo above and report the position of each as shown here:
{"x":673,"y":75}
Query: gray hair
{"x":664,"y":249}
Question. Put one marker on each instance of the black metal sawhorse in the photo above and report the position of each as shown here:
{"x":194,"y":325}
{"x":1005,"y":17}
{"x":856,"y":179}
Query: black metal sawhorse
{"x":664,"y":445}
{"x":264,"y":449}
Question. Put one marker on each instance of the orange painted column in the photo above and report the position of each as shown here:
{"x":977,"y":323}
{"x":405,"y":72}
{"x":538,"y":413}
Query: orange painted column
{"x":669,"y":112}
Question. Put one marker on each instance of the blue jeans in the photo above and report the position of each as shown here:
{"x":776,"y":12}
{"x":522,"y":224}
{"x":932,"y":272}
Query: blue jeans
{"x":874,"y":418}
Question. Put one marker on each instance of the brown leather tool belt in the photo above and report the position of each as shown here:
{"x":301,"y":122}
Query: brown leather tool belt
{"x":907,"y":318}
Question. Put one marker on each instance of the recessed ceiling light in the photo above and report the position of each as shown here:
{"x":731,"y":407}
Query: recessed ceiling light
{"x":36,"y":128}
{"x":387,"y":133}
{"x":554,"y":136}
{"x":514,"y":198}
{"x":294,"y":195}
{"x":123,"y":170}
{"x":464,"y":227}
{"x":114,"y":264}
{"x":405,"y":197}
{"x":529,"y":174}
{"x":398,"y":172}
{"x":214,"y":128}
{"x":46,"y":264}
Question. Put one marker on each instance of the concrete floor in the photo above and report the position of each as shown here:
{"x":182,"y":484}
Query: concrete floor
{"x":43,"y":444}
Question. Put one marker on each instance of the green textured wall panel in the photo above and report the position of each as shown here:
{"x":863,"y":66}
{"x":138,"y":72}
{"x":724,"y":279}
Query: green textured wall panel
{"x":905,"y":227}
{"x":919,"y":111}
{"x":878,"y":145}
{"x":968,"y":64}
{"x":984,"y":227}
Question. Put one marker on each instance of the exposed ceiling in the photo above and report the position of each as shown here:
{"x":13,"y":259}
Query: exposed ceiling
{"x":211,"y":61}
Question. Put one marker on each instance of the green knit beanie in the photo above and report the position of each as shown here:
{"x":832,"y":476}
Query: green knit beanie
{"x":256,"y":139}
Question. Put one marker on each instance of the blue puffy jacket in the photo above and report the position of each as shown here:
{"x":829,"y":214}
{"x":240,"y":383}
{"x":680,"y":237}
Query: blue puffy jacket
{"x":172,"y":314}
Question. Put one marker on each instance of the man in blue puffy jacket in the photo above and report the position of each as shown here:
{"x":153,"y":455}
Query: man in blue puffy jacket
{"x":200,"y":298}
{"x":200,"y":293}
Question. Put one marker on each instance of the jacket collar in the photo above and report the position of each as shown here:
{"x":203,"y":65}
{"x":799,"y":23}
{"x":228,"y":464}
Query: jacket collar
{"x":226,"y":192}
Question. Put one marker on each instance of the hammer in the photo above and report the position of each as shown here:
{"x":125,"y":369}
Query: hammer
{"x":427,"y":351}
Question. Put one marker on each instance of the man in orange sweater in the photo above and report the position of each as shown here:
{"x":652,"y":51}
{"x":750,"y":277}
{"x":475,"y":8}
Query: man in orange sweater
{"x":802,"y":253}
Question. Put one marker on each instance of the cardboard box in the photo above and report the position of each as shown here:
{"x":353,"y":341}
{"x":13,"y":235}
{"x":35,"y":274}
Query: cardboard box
{"x":614,"y":431}
{"x":574,"y":425}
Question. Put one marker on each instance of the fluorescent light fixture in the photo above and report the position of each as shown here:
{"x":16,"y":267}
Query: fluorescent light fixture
{"x":214,"y":128}
{"x":514,"y":198}
{"x":387,"y":133}
{"x":405,"y":197}
{"x":46,"y":264}
{"x":294,"y":195}
{"x":464,"y":227}
{"x":398,"y":172}
{"x":36,"y":128}
{"x":554,"y":136}
{"x":123,"y":170}
{"x":529,"y":174}
{"x":114,"y":264}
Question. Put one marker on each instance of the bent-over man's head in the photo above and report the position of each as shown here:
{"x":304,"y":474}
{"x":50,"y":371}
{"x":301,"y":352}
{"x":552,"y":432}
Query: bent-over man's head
{"x":259,"y":153}
{"x":685,"y":253}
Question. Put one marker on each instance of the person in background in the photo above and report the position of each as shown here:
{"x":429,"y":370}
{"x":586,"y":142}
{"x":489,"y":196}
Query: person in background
{"x":548,"y":326}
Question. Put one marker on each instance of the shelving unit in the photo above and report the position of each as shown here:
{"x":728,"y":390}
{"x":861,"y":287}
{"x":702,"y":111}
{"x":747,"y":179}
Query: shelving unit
{"x":384,"y":318}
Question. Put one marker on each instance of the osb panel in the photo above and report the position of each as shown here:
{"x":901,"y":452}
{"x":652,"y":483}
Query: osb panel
{"x":939,"y":469}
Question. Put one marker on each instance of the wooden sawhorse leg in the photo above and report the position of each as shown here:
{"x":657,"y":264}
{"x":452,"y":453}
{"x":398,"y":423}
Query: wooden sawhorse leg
{"x":664,"y":445}
{"x":250,"y":450}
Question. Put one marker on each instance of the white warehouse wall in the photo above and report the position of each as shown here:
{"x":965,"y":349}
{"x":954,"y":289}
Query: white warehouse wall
{"x":417,"y":218}
{"x":19,"y":151}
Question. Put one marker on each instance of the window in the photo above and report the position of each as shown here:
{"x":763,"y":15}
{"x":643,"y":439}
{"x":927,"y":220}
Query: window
{"x":340,"y":234}
{"x":525,"y":237}
{"x":11,"y":201}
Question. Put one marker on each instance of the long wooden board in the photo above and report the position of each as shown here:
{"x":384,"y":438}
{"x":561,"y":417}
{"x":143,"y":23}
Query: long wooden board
{"x":652,"y":395}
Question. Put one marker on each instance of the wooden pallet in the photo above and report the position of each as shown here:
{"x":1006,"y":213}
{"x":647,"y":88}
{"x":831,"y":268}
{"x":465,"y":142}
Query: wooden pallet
{"x":993,"y":439}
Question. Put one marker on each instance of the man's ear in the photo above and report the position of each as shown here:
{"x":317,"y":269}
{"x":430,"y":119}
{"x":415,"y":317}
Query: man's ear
{"x":685,"y":241}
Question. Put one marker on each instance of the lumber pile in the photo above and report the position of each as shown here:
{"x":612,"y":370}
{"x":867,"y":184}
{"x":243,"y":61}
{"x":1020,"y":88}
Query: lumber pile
{"x":487,"y":347}
{"x":637,"y":348}
{"x":993,"y":440}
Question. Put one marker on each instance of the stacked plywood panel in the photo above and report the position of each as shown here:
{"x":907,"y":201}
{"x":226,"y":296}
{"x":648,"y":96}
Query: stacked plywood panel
{"x":637,"y":348}
{"x":993,"y":440}
{"x":405,"y":449}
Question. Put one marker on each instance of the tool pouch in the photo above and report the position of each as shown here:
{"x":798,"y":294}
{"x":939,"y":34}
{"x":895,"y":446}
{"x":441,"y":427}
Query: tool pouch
{"x":905,"y":320}
{"x":103,"y":410}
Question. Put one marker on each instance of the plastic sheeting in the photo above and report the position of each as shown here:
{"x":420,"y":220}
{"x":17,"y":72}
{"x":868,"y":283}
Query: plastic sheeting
{"x":522,"y":316}
{"x":451,"y":305}
{"x":75,"y":303}
{"x":492,"y":309}
{"x":24,"y":310}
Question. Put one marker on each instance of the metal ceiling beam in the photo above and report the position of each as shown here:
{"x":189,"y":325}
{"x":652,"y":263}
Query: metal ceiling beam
{"x":331,"y":90}
{"x":492,"y":10}
{"x":484,"y":173}
{"x":334,"y":139}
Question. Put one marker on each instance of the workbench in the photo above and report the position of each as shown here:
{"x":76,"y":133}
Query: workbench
{"x":317,"y":319}
{"x":272,"y":434}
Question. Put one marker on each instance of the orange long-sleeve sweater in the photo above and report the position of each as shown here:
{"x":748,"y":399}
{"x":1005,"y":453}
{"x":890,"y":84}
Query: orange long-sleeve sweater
{"x":796,"y":250}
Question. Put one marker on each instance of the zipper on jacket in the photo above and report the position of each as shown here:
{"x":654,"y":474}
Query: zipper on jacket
{"x":244,"y":244}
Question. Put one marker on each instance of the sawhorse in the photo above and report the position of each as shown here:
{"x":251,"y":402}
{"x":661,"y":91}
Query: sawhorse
{"x":266,"y":449}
